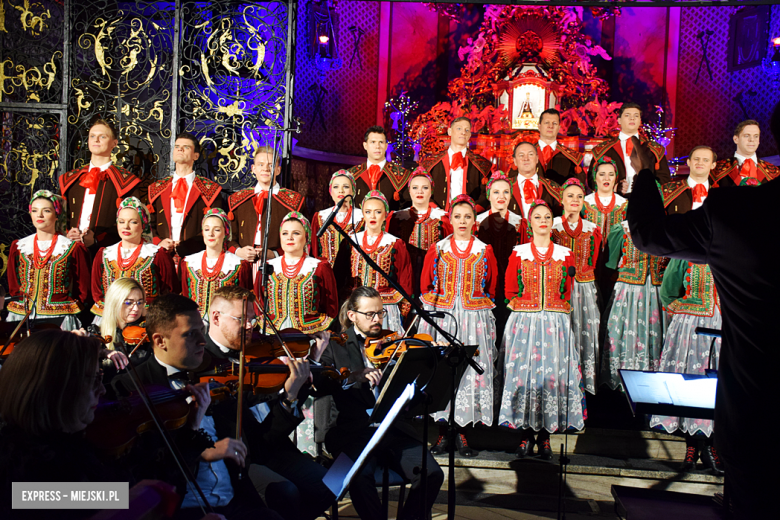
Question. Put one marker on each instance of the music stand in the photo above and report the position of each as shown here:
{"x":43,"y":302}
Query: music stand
{"x":343,"y":470}
{"x":670,"y":393}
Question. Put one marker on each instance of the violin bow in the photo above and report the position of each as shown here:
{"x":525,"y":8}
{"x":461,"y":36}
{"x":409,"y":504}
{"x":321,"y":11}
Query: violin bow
{"x":406,"y":334}
{"x":177,"y":456}
{"x":241,"y":369}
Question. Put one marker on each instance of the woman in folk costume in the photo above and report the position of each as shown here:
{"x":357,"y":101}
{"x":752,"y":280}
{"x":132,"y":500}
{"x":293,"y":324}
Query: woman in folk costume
{"x":204,"y":272}
{"x":584,"y":239}
{"x":542,"y":387}
{"x":134,"y":256}
{"x":604,"y":208}
{"x":390,"y":254}
{"x":301,"y":294}
{"x":420,"y":226}
{"x":50,"y":270}
{"x":350,"y":219}
{"x":459,"y":278}
{"x":636,"y":323}
{"x":689,"y":295}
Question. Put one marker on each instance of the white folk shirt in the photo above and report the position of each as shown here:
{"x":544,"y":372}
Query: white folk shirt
{"x":543,"y":145}
{"x":89,"y":202}
{"x":456,"y":176}
{"x":630,"y":172}
{"x":177,"y":219}
{"x":258,"y":231}
{"x":741,"y":159}
{"x":520,"y":184}
{"x":692,"y":183}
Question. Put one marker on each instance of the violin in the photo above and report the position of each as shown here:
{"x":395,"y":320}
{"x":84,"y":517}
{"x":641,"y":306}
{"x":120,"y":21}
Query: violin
{"x":379,"y":354}
{"x":134,"y":336}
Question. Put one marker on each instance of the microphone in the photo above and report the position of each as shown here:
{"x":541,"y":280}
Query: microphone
{"x":13,"y":298}
{"x":332,"y":216}
{"x":572,"y":271}
{"x":437,"y":314}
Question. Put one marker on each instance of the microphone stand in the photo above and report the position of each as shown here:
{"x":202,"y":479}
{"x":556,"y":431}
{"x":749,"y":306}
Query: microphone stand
{"x":266,"y":227}
{"x":454,"y":354}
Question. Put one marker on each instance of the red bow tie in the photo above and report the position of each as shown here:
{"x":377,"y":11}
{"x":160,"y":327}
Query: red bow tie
{"x":699,"y":193}
{"x":180,"y":194}
{"x":92,"y":179}
{"x":547,"y":153}
{"x":629,"y":147}
{"x":749,"y":169}
{"x":457,"y":161}
{"x":529,"y":191}
{"x":374,"y":173}
{"x":259,"y":202}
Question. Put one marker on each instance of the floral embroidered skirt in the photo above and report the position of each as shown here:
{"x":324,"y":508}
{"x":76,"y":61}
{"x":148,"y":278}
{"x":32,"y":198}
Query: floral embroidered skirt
{"x":474,"y":400}
{"x":542,"y":387}
{"x":585,"y":321}
{"x":393,"y":320}
{"x":686,"y":352}
{"x":69,"y":321}
{"x":635,"y":331}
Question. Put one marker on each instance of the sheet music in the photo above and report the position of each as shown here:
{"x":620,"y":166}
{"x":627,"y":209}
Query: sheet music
{"x":696,"y":393}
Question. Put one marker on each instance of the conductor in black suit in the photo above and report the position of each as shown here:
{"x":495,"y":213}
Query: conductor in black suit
{"x":733,"y":233}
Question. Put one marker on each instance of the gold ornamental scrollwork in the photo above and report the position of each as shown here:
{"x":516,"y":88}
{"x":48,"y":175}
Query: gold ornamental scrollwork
{"x":34,"y":23}
{"x":29,"y":78}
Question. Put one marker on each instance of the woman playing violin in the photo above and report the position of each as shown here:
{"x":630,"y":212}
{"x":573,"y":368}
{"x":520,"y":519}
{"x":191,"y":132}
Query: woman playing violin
{"x":50,"y":269}
{"x":135,"y":256}
{"x":204,"y":272}
{"x":460,"y":278}
{"x":350,"y":219}
{"x":124,"y":308}
{"x":301,"y":291}
{"x":49,"y":390}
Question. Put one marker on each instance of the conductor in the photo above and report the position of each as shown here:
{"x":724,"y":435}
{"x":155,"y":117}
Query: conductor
{"x":726,"y":233}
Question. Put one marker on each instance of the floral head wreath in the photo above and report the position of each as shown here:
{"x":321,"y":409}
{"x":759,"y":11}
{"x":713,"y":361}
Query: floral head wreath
{"x":221,"y":215}
{"x":535,"y":204}
{"x":375,"y":194}
{"x":460,"y":199}
{"x":60,"y":208}
{"x":498,"y":176}
{"x":143,"y":212}
{"x":343,"y":173}
{"x":421,"y":172}
{"x":296,"y":215}
{"x":604,"y":159}
{"x":572,"y":181}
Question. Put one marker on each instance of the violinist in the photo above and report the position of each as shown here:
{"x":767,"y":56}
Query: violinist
{"x":459,"y":278}
{"x":49,"y":268}
{"x":269,"y":420}
{"x":361,"y":316}
{"x":204,"y":272}
{"x":125,"y":306}
{"x":134,"y":256}
{"x":176,"y":331}
{"x":49,"y":389}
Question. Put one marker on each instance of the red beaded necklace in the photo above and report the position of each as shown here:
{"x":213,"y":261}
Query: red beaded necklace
{"x":542,"y":258}
{"x":368,"y":248}
{"x":347,"y":216}
{"x":124,"y":265}
{"x":211,"y":274}
{"x":292,"y":272}
{"x":602,"y":208}
{"x":461,"y":253}
{"x":422,"y":218}
{"x":574,"y":233}
{"x":38,"y":261}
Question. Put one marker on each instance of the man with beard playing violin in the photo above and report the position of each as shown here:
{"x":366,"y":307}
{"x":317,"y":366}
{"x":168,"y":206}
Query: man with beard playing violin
{"x":269,"y":419}
{"x":361,"y":316}
{"x":175,"y":329}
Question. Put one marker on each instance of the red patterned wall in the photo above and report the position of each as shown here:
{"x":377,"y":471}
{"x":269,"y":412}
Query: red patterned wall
{"x":707,"y":112}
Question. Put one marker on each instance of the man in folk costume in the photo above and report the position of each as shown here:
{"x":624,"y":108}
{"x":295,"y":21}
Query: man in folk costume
{"x":558,"y":162}
{"x":625,"y":151}
{"x":178,"y":202}
{"x":689,"y":194}
{"x":248,"y":209}
{"x":458,"y":170}
{"x":377,"y":173}
{"x":745,"y":163}
{"x":94,"y":192}
{"x":529,"y":184}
